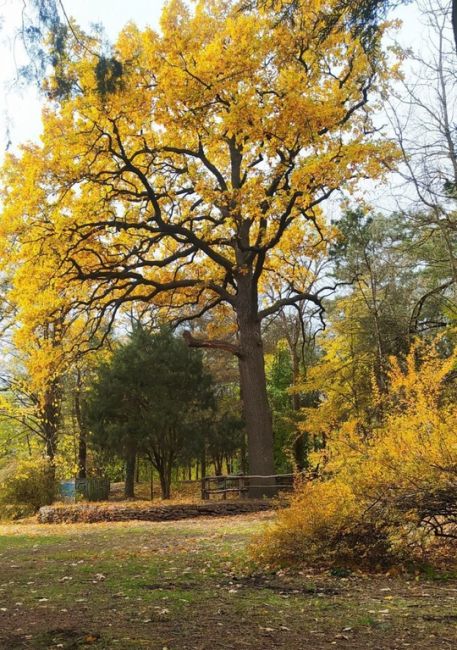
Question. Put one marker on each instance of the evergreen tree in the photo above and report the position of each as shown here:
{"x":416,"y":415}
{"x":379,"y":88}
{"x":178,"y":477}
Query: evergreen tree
{"x":151,"y":398}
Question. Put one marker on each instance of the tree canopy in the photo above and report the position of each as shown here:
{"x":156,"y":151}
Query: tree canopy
{"x":197,"y":160}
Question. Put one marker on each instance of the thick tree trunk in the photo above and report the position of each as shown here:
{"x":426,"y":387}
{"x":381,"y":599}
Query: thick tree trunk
{"x":254,"y":395}
{"x":130,"y":462}
{"x":50,"y":466}
{"x":253,"y":384}
{"x":51,"y":416}
{"x":51,"y":441}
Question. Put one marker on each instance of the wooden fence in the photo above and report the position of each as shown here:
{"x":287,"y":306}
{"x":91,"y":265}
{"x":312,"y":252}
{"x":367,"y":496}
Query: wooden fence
{"x":239,"y":485}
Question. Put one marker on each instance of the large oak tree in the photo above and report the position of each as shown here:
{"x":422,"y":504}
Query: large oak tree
{"x":176,"y":168}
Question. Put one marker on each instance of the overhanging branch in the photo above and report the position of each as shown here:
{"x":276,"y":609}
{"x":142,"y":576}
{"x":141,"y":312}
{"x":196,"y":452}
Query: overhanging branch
{"x":192,"y":342}
{"x":289,"y":301}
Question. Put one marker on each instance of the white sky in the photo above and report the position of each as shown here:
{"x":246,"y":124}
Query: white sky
{"x":20,"y":110}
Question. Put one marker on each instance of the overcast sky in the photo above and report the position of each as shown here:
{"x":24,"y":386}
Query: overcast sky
{"x":20,"y":111}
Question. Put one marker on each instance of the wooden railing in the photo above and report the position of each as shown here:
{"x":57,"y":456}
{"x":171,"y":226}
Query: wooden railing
{"x":240,"y":484}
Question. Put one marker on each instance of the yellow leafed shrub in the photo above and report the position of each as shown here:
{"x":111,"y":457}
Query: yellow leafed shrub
{"x":25,"y":486}
{"x":325,"y":524}
{"x":383,"y":499}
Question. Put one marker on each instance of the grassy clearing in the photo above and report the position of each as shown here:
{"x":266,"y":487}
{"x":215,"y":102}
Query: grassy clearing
{"x":189,"y":585}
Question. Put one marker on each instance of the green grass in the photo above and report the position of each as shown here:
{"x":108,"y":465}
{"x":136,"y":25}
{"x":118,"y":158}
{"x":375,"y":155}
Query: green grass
{"x":191,"y":585}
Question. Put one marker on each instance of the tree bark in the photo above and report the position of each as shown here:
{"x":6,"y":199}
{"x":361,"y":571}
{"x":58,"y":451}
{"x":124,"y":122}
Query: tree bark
{"x":165,"y":481}
{"x":82,"y":455}
{"x":228,"y":462}
{"x":203,"y":461}
{"x":163,"y":462}
{"x":82,"y":439}
{"x":50,"y":414}
{"x":254,"y":392}
{"x":253,"y":383}
{"x":217,"y":462}
{"x":130,"y":462}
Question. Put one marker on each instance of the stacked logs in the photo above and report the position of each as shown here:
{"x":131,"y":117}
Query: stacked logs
{"x":85,"y":513}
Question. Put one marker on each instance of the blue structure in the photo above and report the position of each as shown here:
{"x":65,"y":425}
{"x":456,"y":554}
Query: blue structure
{"x":92,"y":489}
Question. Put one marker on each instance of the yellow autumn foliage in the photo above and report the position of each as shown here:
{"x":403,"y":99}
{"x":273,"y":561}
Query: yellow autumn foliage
{"x":381,"y":499}
{"x":25,"y":486}
{"x":207,"y":161}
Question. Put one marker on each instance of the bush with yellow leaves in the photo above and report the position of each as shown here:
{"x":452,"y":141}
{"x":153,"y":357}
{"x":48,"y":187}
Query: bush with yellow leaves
{"x":325,"y":524}
{"x":384,"y":499}
{"x":25,"y":486}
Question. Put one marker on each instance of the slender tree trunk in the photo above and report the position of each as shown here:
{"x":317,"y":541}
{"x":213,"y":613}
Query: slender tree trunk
{"x":254,"y":391}
{"x":203,"y":463}
{"x":300,"y":444}
{"x":299,"y":452}
{"x":51,"y":464}
{"x":165,"y":481}
{"x":50,"y":417}
{"x":164,"y":486}
{"x":82,"y":455}
{"x":373,"y":305}
{"x":130,"y":462}
{"x":243,"y":455}
{"x":217,"y":466}
{"x":82,"y":439}
{"x":164,"y":466}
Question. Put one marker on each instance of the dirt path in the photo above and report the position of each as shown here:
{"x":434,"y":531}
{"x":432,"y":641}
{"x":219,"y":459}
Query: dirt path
{"x":189,"y":586}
